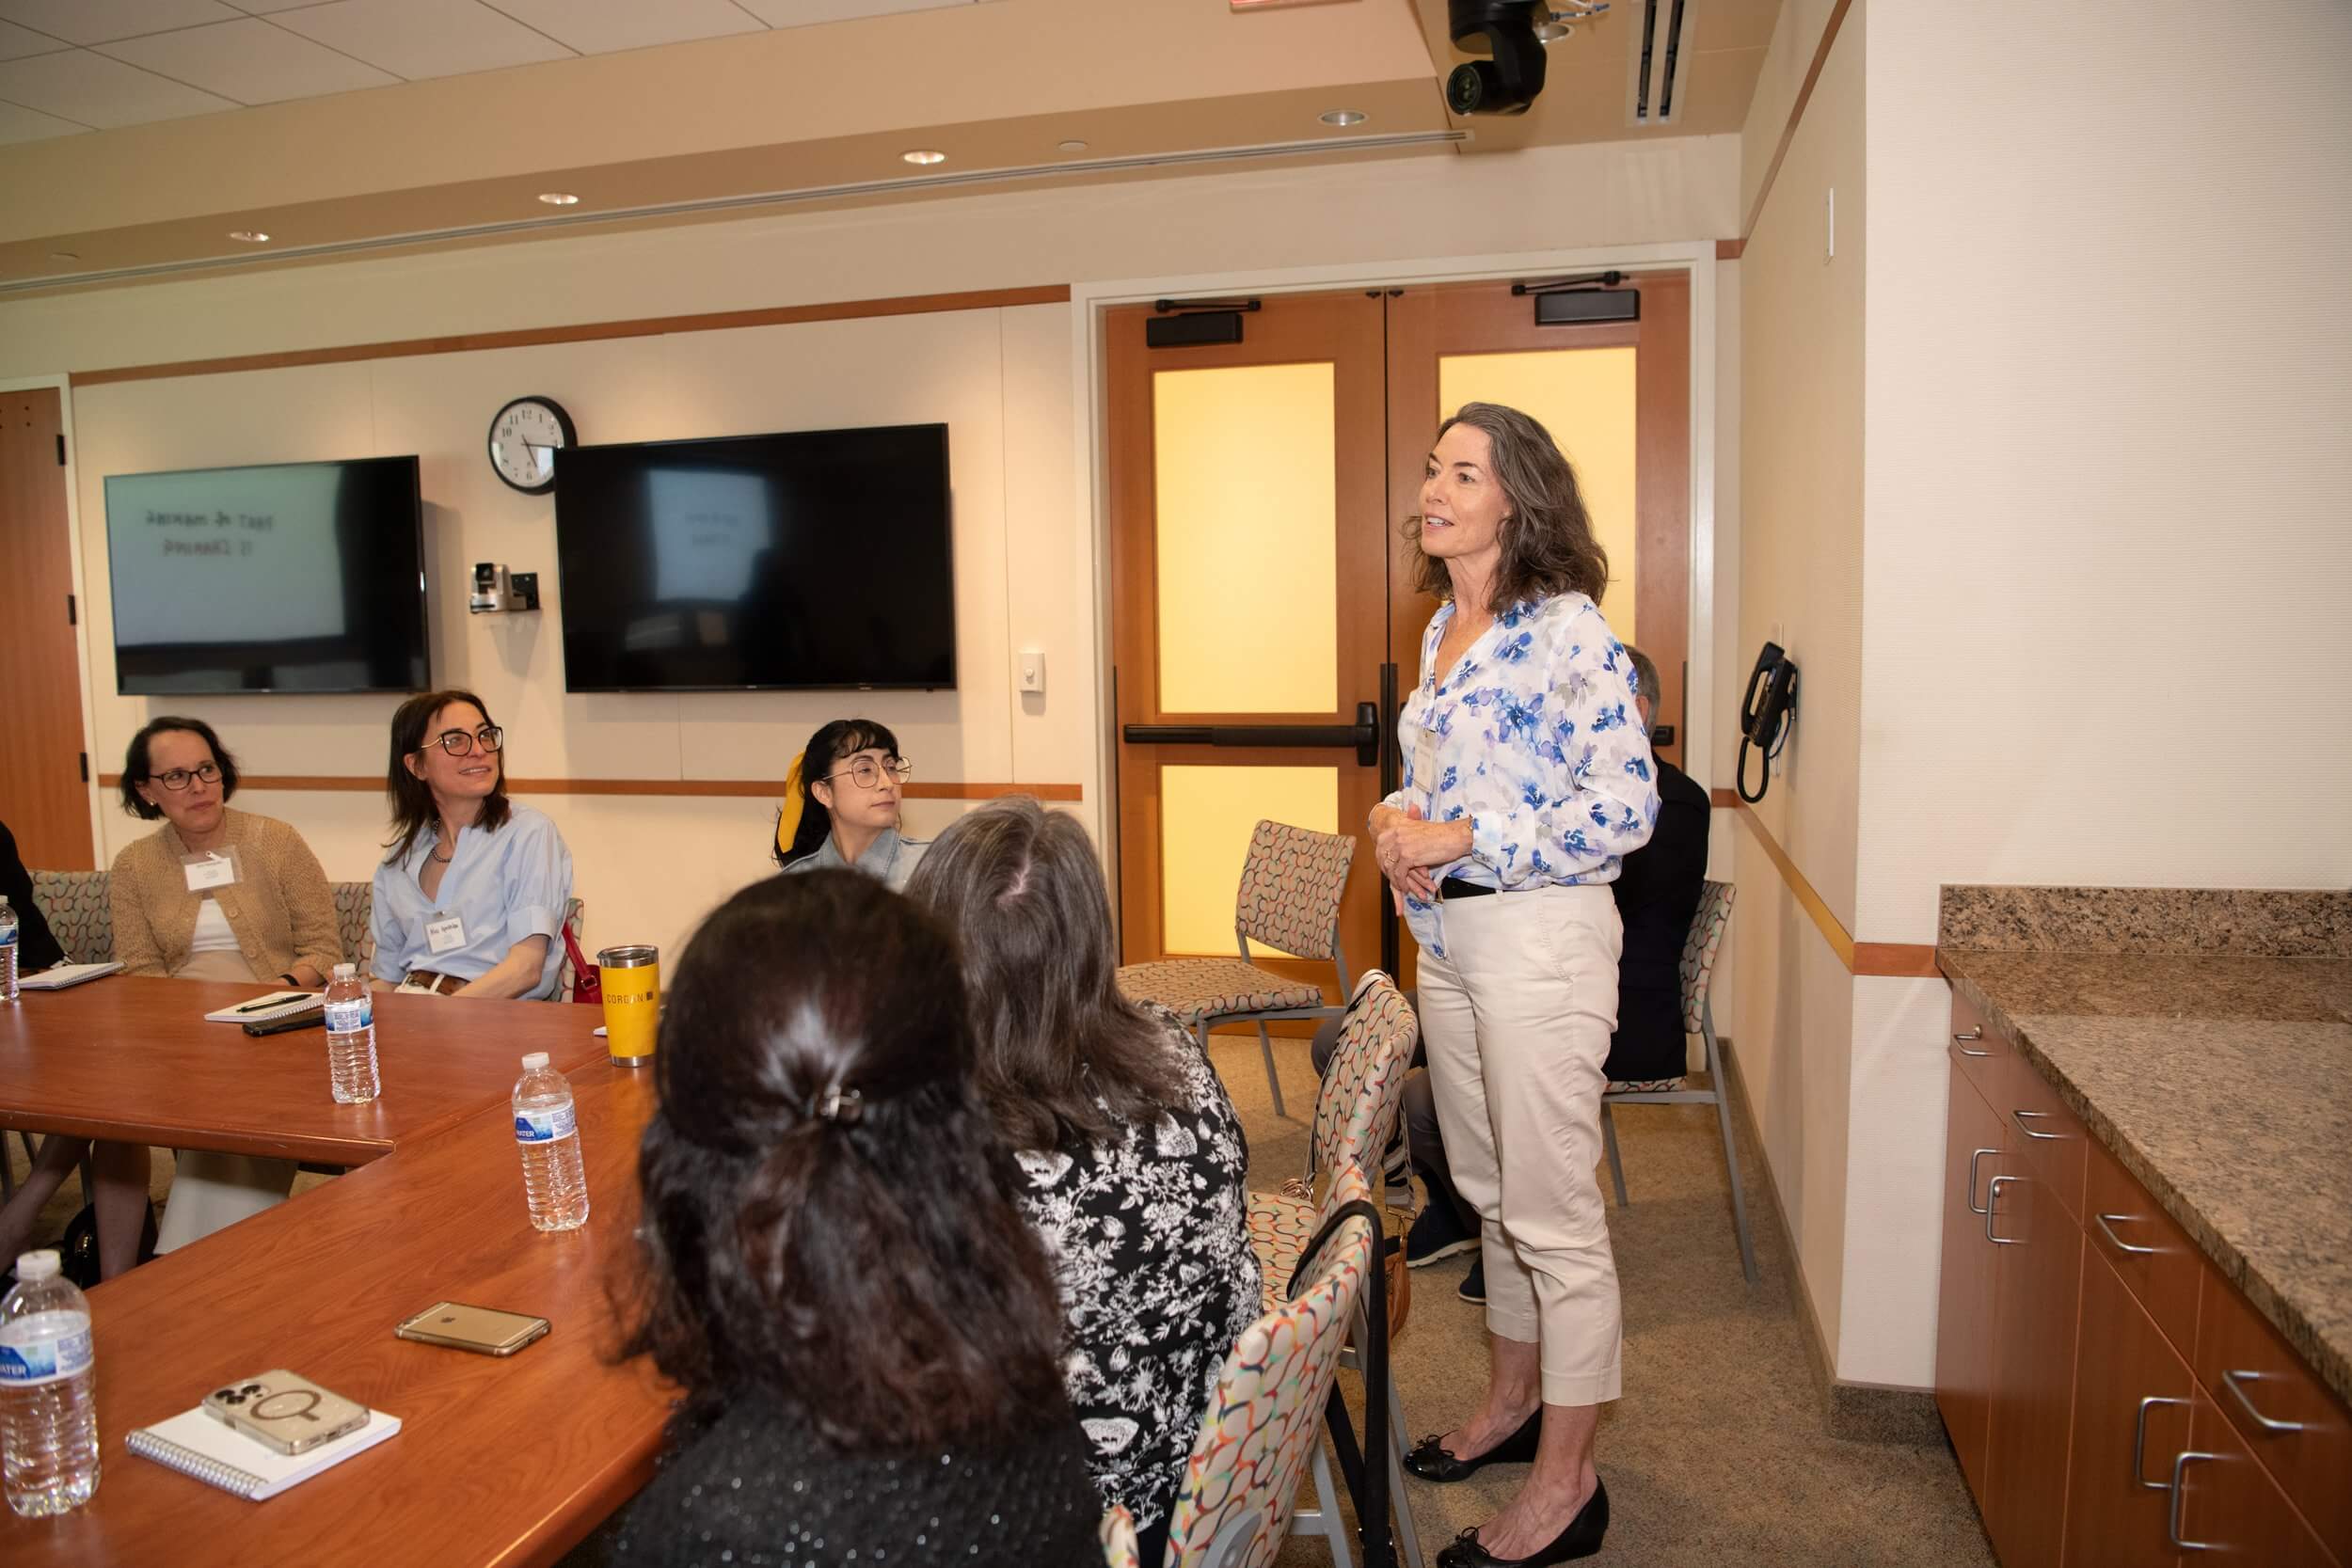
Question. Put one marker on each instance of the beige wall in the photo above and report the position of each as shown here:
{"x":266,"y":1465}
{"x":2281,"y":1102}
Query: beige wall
{"x":1800,"y":545}
{"x":1028,"y":560}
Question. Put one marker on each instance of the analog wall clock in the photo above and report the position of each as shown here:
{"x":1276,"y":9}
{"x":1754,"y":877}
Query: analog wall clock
{"x":525,"y":436}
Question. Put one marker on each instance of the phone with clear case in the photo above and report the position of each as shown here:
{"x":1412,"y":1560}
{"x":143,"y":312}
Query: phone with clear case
{"x":284,"y":1411}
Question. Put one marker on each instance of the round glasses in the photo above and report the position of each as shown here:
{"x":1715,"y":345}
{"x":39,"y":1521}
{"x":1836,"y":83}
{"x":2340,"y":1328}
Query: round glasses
{"x":458,"y":742}
{"x":867,"y":774}
{"x":179,"y":778}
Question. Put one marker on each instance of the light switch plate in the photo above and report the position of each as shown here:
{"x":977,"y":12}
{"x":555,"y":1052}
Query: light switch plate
{"x":1030,"y":670}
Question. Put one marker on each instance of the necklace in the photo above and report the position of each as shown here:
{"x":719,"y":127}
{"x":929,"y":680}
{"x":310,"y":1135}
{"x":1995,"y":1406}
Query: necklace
{"x":442,"y":860}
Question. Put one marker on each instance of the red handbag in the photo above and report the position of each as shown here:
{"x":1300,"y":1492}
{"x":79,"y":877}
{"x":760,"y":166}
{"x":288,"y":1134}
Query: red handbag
{"x":587,"y":979}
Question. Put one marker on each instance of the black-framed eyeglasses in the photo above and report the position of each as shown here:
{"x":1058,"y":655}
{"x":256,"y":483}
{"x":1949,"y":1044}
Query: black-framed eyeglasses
{"x":867,"y":774}
{"x":458,"y":742}
{"x":178,"y":777}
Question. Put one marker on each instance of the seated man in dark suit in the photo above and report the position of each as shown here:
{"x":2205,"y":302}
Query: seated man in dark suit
{"x":1658,"y":890}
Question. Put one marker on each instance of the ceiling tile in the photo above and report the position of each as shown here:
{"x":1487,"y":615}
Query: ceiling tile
{"x":20,"y":124}
{"x":103,"y":21}
{"x":803,"y":13}
{"x":95,"y":91}
{"x":16,"y":42}
{"x":249,"y":62}
{"x":422,"y":38}
{"x":603,"y":26}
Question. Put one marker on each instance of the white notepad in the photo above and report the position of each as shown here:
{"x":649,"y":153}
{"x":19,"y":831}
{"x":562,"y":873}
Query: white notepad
{"x":195,"y":1445}
{"x":61,"y":975}
{"x":266,"y":1009}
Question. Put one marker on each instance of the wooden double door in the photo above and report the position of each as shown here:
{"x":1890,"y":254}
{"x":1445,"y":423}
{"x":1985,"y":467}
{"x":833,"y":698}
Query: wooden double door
{"x":1266,"y":625}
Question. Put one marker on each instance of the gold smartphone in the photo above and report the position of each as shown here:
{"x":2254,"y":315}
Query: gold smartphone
{"x":284,"y":1411}
{"x":481,"y":1329}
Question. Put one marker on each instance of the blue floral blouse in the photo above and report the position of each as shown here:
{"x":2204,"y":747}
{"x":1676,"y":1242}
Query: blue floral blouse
{"x":1535,"y":738}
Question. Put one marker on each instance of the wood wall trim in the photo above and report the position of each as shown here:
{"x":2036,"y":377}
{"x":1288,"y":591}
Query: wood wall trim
{"x":757,"y":789}
{"x":644,"y":327}
{"x":1902,"y":961}
{"x":1728,"y":251}
{"x":1789,"y":131}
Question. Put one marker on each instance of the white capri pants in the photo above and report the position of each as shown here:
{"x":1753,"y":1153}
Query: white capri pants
{"x":1517,"y":1017}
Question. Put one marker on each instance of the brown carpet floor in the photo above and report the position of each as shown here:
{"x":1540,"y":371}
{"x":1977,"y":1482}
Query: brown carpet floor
{"x":1717,"y":1455}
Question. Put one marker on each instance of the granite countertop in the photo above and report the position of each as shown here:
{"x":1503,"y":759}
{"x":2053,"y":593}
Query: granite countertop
{"x":2224,"y":1084}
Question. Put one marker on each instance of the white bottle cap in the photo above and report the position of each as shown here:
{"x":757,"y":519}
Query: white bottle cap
{"x":345,"y":972}
{"x":34,"y":1267}
{"x":536,"y":1062}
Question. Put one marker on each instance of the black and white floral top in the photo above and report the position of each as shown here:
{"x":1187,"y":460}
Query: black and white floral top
{"x":1149,"y":1232}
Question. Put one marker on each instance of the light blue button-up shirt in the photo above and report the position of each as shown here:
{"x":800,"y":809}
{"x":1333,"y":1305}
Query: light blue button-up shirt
{"x":505,"y":886}
{"x":1533,"y":736}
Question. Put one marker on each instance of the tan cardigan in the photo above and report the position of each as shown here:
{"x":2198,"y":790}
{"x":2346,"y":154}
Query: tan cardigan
{"x":280,"y":906}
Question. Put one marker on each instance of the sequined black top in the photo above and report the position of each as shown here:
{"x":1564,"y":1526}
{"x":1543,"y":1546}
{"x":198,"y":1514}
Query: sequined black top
{"x":757,"y":1487}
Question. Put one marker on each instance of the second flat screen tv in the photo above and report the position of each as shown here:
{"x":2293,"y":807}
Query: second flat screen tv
{"x":810,"y":559}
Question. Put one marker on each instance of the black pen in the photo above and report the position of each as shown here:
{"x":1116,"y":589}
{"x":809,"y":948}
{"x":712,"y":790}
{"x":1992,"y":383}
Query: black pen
{"x":270,"y":1002}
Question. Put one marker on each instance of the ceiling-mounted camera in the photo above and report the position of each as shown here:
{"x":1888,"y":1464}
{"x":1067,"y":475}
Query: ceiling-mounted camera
{"x":1508,"y":80}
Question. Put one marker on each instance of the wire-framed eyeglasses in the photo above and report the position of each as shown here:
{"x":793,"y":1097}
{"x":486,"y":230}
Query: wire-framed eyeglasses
{"x":458,"y":742}
{"x":867,"y":774}
{"x":179,"y":778}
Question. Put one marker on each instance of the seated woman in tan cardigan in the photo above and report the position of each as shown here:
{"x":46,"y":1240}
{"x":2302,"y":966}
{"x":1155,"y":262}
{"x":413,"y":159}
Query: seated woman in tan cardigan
{"x":213,"y":894}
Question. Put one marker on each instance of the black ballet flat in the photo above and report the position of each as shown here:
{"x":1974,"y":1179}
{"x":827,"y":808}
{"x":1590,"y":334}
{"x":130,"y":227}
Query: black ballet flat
{"x":1580,"y":1539}
{"x":1431,"y":1462}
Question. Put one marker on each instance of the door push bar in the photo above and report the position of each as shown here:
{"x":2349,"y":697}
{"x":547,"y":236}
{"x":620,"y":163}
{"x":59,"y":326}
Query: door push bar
{"x":1363,"y":735}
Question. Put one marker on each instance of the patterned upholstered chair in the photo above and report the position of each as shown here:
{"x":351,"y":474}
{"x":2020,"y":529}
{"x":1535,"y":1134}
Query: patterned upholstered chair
{"x":1117,"y":1534}
{"x":1291,"y":886}
{"x":1698,"y":1018}
{"x":1260,"y":1431}
{"x":80,"y":910}
{"x":1357,"y":1108}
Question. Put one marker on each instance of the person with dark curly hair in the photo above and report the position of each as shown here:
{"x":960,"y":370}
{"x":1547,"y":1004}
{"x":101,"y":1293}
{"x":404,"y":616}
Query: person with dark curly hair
{"x":836,"y":1268}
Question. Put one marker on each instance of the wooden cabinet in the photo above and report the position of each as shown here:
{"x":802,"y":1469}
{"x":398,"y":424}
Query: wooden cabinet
{"x":1964,"y":1320}
{"x":2037,"y":1289}
{"x":2131,"y":1397}
{"x":2104,"y":1387}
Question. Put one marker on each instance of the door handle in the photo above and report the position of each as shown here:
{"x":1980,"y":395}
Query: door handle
{"x":2181,"y":1461}
{"x":1992,"y":1199}
{"x":2118,"y":1243}
{"x":2232,"y":1381}
{"x":2019,"y":1118}
{"x":2139,"y":1444}
{"x":1363,"y":735}
{"x":1972,"y":1178}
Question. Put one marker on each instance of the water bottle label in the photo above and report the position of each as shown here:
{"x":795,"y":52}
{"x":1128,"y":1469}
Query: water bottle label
{"x":544,"y":1127}
{"x":7,"y":935}
{"x":31,"y":1362}
{"x":344,"y":1017}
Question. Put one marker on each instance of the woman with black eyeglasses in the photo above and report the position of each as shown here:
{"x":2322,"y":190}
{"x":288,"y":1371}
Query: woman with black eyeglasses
{"x":841,"y":805}
{"x":469,"y":901}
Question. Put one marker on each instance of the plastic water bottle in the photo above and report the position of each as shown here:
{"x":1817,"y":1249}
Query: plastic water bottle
{"x":7,"y":950}
{"x":554,"y":1179}
{"x":350,"y":1037}
{"x":48,"y":1391}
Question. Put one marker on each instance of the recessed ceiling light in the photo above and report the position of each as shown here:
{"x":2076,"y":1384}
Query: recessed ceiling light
{"x":250,"y":236}
{"x":1072,"y":145}
{"x":559,"y":198}
{"x":65,"y":255}
{"x":1343,"y":117}
{"x":925,"y":155}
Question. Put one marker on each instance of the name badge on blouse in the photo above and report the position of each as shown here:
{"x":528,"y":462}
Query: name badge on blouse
{"x":1425,"y":768}
{"x":210,"y":871}
{"x":445,"y":935}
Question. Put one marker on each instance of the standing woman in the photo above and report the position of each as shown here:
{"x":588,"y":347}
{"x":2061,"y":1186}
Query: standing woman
{"x":470,"y":900}
{"x":841,"y":805}
{"x":1526,"y":780}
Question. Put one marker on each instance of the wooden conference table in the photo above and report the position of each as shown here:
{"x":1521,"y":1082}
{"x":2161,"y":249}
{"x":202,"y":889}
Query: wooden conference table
{"x":497,"y":1461}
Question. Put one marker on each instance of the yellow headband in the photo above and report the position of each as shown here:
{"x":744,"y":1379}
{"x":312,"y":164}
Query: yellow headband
{"x":788,"y":814}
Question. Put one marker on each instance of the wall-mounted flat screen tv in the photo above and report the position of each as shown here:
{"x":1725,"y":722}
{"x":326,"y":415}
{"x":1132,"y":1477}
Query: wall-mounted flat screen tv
{"x":817,"y":559}
{"x":296,"y":577}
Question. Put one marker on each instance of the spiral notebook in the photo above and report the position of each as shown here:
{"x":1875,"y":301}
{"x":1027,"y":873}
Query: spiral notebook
{"x":195,"y":1445}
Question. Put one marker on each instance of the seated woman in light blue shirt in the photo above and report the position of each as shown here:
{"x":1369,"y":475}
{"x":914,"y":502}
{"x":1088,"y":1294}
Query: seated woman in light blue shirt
{"x":470,"y":900}
{"x":841,"y":805}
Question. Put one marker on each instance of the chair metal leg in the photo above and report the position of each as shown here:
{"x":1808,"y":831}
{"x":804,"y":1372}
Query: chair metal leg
{"x":1731,"y":1161}
{"x":1333,"y":1526}
{"x":1407,"y":1538}
{"x":1616,"y":1164}
{"x":1273,"y":1079}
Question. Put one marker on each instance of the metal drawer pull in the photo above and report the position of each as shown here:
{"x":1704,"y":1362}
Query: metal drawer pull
{"x":2230,"y":1381}
{"x":1972,"y":1179}
{"x":2019,"y":1118}
{"x":2139,"y":1444}
{"x":1992,"y":1199}
{"x":1962,"y":1041}
{"x":2181,"y":1461}
{"x":2118,"y":1243}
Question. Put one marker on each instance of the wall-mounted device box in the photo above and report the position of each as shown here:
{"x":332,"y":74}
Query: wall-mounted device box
{"x":495,"y":588}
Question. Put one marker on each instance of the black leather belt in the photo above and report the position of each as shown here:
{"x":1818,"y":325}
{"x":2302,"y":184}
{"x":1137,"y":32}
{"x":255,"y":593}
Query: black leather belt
{"x":1454,"y":887}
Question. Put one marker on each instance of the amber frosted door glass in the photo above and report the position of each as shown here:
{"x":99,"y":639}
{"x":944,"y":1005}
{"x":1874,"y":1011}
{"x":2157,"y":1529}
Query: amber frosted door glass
{"x":1244,"y":482}
{"x":1207,"y":815}
{"x":1586,"y":398}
